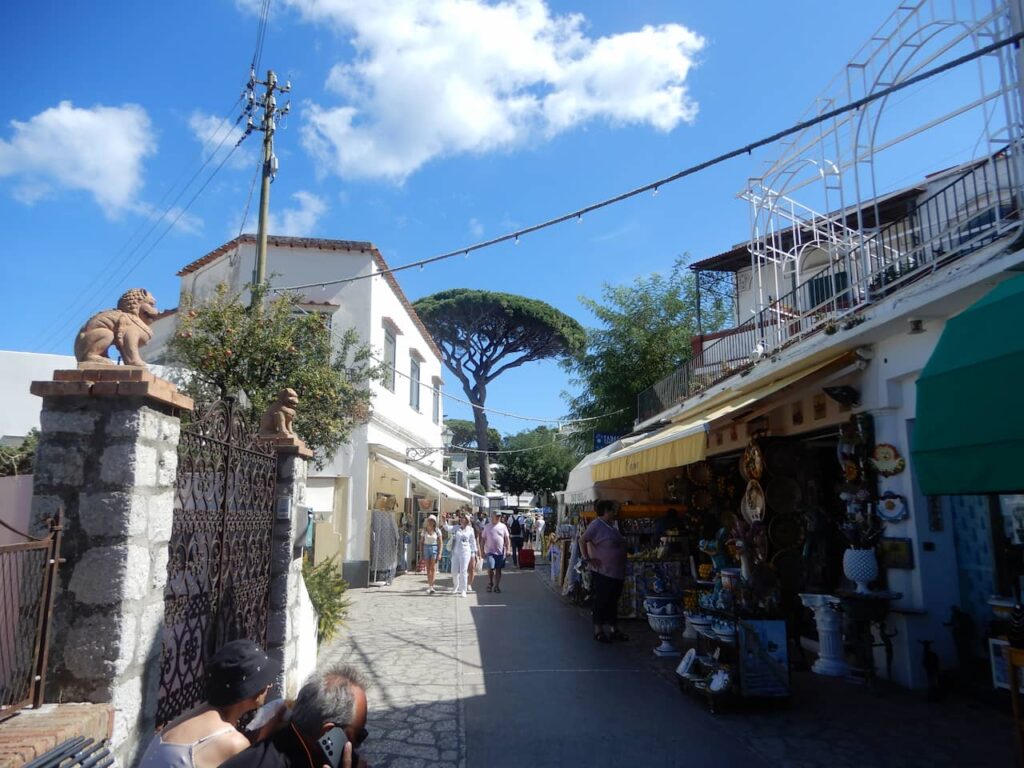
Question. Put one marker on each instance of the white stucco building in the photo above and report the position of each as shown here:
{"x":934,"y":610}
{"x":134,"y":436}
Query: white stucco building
{"x":373,"y":470}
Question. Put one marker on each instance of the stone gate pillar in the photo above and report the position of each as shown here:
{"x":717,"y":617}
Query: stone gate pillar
{"x":291,"y":623}
{"x":108,"y":455}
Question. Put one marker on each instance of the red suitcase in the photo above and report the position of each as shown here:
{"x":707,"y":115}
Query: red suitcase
{"x":526,"y":558}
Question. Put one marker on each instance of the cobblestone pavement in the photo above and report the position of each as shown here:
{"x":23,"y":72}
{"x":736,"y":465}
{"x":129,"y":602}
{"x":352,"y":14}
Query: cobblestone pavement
{"x":514,"y":679}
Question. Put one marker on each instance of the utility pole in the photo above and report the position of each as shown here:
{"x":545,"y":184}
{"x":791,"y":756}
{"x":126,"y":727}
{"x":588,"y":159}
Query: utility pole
{"x":268,"y":124}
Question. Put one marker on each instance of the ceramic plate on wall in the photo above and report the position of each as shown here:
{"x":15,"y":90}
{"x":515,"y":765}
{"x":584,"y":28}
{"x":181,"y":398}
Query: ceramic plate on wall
{"x":753,"y":502}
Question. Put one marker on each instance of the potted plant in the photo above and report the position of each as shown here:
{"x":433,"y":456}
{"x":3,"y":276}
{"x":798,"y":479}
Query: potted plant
{"x":862,"y":530}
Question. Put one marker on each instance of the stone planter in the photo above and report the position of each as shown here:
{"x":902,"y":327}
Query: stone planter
{"x":861,"y":567}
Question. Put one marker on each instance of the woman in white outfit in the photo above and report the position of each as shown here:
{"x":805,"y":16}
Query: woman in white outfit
{"x":463,"y":551}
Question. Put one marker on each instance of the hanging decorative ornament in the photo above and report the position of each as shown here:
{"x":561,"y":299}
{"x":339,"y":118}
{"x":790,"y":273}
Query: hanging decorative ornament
{"x":752,"y":505}
{"x":887,"y":460}
{"x":892,"y":507}
{"x":752,"y":463}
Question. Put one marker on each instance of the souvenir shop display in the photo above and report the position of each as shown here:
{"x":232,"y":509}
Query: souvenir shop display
{"x":741,"y":643}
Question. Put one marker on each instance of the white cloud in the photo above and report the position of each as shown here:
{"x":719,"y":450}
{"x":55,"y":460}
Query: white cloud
{"x":175,"y":217}
{"x":97,"y":150}
{"x":299,"y":220}
{"x":476,"y":229}
{"x":448,"y":77}
{"x":218,"y":136}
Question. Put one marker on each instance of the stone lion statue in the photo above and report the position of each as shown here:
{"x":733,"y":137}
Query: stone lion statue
{"x":277,"y":421}
{"x":126,"y":327}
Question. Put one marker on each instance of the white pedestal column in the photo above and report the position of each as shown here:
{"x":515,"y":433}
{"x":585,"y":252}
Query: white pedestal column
{"x":830,"y":638}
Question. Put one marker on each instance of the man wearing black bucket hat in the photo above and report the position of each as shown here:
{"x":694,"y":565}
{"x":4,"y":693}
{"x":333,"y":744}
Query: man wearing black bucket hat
{"x":238,"y":677}
{"x":331,"y":704}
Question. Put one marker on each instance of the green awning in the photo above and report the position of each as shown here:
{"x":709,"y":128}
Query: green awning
{"x":969,"y":429}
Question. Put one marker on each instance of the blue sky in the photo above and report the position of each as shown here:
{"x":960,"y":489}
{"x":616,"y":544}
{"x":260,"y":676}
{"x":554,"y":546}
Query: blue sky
{"x":107,"y":106}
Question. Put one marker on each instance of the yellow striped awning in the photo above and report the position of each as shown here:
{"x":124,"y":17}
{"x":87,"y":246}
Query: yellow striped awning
{"x":685,"y":442}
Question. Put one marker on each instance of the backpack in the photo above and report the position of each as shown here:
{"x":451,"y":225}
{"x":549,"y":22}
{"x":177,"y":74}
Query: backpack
{"x":528,"y":524}
{"x":516,"y":529}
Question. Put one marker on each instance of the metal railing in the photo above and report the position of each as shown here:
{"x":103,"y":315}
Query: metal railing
{"x":28,"y":573}
{"x":975,"y":209}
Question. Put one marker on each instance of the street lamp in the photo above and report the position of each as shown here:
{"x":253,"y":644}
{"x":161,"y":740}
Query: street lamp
{"x":418,"y":454}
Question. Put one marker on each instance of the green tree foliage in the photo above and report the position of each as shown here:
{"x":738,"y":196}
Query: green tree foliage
{"x":464,"y":434}
{"x":19,"y":460}
{"x":482,"y":334}
{"x":644,"y":333}
{"x":541,"y":464}
{"x":226,"y":347}
{"x":326,"y":590}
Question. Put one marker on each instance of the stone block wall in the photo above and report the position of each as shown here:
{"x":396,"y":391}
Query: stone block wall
{"x":110,"y":461}
{"x":291,"y":623}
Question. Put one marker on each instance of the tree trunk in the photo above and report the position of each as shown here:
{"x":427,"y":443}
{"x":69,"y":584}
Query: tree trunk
{"x":478,"y":396}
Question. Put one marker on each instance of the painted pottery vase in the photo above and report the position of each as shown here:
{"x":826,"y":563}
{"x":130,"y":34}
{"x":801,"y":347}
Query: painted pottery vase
{"x":861,"y":567}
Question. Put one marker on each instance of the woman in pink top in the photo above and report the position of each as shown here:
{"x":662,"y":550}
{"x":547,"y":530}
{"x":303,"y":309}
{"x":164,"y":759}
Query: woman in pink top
{"x":604,"y":553}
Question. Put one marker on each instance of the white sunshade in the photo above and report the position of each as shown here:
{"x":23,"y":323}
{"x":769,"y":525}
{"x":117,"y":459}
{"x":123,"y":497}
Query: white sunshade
{"x":580,"y":487}
{"x":477,"y":499}
{"x":439,"y":485}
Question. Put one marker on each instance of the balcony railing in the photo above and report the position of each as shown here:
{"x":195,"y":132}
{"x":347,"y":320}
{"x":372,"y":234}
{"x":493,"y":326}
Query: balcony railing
{"x":972,"y":211}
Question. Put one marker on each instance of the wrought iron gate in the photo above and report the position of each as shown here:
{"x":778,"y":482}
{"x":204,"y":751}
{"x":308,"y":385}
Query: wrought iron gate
{"x":28,"y":576}
{"x":218,"y":570}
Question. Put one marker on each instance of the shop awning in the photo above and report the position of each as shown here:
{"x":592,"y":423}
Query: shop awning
{"x":477,"y":499}
{"x":969,"y":427}
{"x":435,"y":483}
{"x":581,"y":487}
{"x":685,"y":442}
{"x":674,"y":446}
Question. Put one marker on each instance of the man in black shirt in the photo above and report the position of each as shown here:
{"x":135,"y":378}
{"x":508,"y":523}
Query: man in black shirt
{"x":333,"y":697}
{"x":515,"y":531}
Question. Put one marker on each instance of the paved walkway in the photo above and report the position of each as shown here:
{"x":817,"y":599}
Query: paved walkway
{"x":515,"y":680}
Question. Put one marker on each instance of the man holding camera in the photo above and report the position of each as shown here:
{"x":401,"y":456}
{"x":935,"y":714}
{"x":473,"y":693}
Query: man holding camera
{"x":327,"y":725}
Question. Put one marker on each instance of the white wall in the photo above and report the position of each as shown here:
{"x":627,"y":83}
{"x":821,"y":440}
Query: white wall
{"x":395,"y":406}
{"x":20,"y":413}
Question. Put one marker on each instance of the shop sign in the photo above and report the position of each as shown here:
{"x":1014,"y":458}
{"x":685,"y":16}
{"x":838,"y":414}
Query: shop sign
{"x":604,"y":439}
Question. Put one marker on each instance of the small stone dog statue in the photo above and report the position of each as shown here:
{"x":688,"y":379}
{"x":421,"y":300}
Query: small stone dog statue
{"x":277,"y":421}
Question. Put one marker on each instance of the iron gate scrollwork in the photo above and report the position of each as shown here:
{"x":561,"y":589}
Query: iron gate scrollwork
{"x":218,"y":570}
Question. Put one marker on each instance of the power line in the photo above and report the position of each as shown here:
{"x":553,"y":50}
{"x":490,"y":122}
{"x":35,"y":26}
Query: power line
{"x":261,"y":34}
{"x":654,"y":186}
{"x":110,"y":274}
{"x":554,"y":441}
{"x":104,"y":278}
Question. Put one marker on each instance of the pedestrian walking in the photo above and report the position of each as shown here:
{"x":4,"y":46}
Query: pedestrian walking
{"x":604,"y":552}
{"x":516,"y":535}
{"x":430,"y":546}
{"x":238,"y":677}
{"x":476,"y":535}
{"x":333,"y":698}
{"x":497,"y":541}
{"x":463,"y":552}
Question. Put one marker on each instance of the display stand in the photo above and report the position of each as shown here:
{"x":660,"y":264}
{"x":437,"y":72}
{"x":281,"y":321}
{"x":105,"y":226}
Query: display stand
{"x":741,"y":659}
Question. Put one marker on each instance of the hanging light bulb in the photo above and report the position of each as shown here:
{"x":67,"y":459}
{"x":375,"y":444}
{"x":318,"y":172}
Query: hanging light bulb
{"x":579,"y":218}
{"x":655,"y":192}
{"x":517,"y":239}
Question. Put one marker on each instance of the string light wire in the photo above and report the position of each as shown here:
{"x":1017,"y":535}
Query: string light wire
{"x":693,"y":169}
